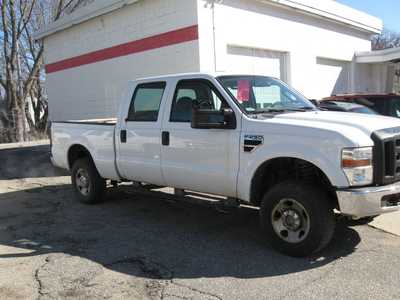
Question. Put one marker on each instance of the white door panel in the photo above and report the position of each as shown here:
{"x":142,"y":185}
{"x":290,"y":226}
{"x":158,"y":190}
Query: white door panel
{"x":139,"y":158}
{"x":204,"y":160}
{"x":140,"y":154}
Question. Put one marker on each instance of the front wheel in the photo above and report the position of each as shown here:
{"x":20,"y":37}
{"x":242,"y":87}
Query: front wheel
{"x":88,"y":185}
{"x":297,"y":218}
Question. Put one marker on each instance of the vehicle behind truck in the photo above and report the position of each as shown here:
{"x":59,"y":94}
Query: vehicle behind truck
{"x":383,"y":104}
{"x":251,"y":139}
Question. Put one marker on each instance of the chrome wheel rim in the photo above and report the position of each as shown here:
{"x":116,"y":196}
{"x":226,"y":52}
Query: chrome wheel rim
{"x":82,"y":181}
{"x":290,"y":221}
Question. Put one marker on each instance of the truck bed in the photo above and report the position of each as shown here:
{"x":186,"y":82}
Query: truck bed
{"x":96,"y":135}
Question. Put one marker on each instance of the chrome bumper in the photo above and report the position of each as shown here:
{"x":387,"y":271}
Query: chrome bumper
{"x":369,"y":201}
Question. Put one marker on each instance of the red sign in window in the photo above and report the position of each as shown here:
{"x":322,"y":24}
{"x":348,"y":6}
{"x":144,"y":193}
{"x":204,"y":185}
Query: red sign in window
{"x":243,"y":91}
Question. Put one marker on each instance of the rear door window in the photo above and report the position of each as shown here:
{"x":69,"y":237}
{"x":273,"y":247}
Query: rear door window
{"x":146,"y":100}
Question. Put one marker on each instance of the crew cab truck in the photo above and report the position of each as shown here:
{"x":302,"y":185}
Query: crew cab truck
{"x":250,"y":138}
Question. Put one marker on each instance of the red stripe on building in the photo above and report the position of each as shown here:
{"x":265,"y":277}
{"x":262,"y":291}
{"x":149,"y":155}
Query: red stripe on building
{"x":158,"y":41}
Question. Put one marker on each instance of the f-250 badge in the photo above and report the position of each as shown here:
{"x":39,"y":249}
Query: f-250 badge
{"x":251,"y":142}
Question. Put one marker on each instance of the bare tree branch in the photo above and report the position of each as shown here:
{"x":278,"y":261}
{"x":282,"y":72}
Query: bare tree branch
{"x":33,"y":74}
{"x":21,"y":62}
{"x":387,"y":39}
{"x":25,"y":18}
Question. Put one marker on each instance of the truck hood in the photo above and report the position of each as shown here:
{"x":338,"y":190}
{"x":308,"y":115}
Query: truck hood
{"x":364,"y":122}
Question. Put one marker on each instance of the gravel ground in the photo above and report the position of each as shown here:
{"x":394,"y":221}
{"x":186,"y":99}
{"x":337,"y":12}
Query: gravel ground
{"x":149,"y":245}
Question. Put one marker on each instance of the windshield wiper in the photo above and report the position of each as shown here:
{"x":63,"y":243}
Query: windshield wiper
{"x":307,"y":107}
{"x":280,"y":110}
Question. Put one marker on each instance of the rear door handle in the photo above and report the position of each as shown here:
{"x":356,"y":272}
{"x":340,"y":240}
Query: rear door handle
{"x":165,"y":138}
{"x":123,"y":136}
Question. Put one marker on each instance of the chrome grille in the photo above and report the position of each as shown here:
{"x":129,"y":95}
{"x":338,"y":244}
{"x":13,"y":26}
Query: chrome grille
{"x":386,"y":155}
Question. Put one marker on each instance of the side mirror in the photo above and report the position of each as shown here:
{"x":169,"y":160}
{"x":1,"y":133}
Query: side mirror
{"x":213,"y":119}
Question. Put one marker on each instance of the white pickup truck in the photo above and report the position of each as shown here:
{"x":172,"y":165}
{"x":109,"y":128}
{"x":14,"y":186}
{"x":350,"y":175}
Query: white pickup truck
{"x":248,"y":138}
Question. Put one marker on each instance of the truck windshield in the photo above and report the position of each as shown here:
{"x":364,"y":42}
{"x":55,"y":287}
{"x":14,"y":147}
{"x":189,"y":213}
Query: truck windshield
{"x":261,"y":94}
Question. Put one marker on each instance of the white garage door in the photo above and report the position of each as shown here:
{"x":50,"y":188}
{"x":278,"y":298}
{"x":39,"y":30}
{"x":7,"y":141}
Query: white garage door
{"x":256,"y":61}
{"x":332,"y":77}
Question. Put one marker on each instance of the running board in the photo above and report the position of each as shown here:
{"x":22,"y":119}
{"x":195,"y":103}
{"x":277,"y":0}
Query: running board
{"x":227,"y":201}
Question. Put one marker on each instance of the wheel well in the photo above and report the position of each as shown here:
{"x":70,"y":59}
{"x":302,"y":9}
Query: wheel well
{"x":76,"y":152}
{"x":286,"y":168}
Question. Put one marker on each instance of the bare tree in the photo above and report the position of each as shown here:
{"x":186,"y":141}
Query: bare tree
{"x":387,"y":39}
{"x":21,"y":73}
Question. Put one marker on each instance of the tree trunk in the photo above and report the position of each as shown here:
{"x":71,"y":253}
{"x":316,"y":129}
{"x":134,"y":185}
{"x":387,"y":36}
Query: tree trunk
{"x":21,"y":61}
{"x":19,"y":123}
{"x":17,"y":115}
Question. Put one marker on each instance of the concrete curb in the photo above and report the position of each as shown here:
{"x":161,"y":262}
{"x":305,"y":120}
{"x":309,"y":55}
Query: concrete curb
{"x":24,"y":144}
{"x":389,"y":223}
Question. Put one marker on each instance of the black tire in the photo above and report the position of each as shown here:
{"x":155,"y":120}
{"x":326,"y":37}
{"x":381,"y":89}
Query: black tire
{"x":96,"y":186}
{"x":316,"y":210}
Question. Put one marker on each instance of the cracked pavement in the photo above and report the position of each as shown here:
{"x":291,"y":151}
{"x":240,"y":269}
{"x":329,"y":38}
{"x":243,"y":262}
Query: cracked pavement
{"x":150,"y":245}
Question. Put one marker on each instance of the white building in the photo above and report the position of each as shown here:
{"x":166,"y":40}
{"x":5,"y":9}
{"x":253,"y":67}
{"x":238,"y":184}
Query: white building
{"x":311,"y":44}
{"x":378,"y":71}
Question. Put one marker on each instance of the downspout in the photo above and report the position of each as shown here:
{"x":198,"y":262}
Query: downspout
{"x":352,"y":75}
{"x":214,"y":35}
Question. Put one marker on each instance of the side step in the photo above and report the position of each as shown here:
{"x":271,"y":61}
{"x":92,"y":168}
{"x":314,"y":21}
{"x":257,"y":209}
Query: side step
{"x":179,"y":192}
{"x":228,"y":202}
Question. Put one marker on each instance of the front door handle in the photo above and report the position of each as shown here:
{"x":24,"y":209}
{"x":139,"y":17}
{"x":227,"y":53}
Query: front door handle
{"x":123,"y":136}
{"x":165,"y":138}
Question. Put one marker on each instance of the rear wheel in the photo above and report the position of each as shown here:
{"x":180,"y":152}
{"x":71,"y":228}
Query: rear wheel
{"x":297,"y":218}
{"x":88,"y":185}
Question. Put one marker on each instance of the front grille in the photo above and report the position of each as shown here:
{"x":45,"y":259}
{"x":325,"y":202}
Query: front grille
{"x":386,"y":155}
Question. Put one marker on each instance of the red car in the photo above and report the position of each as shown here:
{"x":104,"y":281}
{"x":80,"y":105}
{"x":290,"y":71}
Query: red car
{"x":384,"y":104}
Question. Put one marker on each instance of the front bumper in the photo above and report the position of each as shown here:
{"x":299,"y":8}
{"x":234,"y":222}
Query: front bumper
{"x":369,"y":201}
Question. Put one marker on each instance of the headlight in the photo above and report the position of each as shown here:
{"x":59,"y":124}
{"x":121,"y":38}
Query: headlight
{"x":357,"y":165}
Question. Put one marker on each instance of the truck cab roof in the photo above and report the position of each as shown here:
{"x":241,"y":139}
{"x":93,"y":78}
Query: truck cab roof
{"x":194,"y":74}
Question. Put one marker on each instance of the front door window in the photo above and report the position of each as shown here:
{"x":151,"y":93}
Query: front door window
{"x":190,"y":93}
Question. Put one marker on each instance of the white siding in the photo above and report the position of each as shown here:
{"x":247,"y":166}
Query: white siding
{"x":256,"y":61}
{"x":373,"y":78}
{"x":235,"y":36}
{"x":335,"y":77}
{"x":93,"y":91}
{"x":258,"y":25}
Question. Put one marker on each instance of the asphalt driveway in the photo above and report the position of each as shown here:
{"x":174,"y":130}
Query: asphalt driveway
{"x":148,"y":245}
